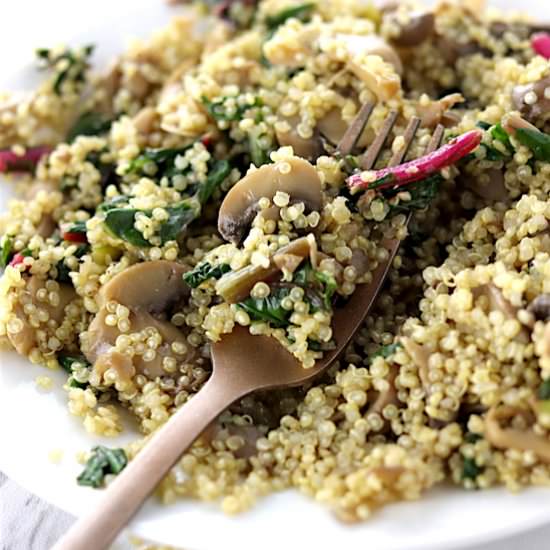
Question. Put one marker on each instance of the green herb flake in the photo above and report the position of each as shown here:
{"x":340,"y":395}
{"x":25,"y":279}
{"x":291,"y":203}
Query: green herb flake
{"x":6,"y":251}
{"x":89,"y":124}
{"x":471,"y":437}
{"x":301,"y":12}
{"x":162,"y":159}
{"x":319,"y":287}
{"x":538,"y":142}
{"x":269,"y":309}
{"x":69,"y":65}
{"x":68,"y":363}
{"x":422,"y":194}
{"x":120,"y":222}
{"x":544,"y":390}
{"x":470,"y":470}
{"x":203,"y":272}
{"x":102,"y":462}
{"x":498,"y":133}
{"x":329,"y":289}
{"x":386,"y":351}
{"x":218,"y":109}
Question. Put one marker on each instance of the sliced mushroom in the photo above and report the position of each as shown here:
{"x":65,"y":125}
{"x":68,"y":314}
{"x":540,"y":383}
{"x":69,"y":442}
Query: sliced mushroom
{"x":511,"y":123}
{"x":47,"y":224}
{"x":540,"y":307}
{"x":144,"y":121}
{"x":420,"y":357}
{"x":492,"y":190}
{"x":418,"y":29}
{"x":529,"y":108}
{"x":103,"y":355}
{"x":148,"y":290}
{"x":512,"y":438}
{"x":26,"y":339}
{"x":310,"y":148}
{"x":434,"y":113}
{"x":374,"y":62}
{"x":240,"y":206}
{"x":236,"y":285}
{"x":150,"y":286}
{"x":498,"y":302}
{"x":331,"y":127}
{"x":388,"y":397}
{"x":452,"y":50}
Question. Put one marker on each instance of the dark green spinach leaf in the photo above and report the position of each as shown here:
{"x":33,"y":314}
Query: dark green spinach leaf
{"x":103,"y":461}
{"x":6,"y":252}
{"x":69,"y":65}
{"x":67,"y":363}
{"x":544,"y":390}
{"x":301,"y":12}
{"x":537,"y":141}
{"x":89,"y":124}
{"x":203,"y":272}
{"x":269,"y":309}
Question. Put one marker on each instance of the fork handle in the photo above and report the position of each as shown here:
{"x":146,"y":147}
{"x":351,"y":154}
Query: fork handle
{"x":125,"y":495}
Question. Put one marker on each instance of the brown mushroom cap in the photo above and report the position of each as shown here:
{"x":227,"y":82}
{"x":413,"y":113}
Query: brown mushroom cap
{"x":147,"y":289}
{"x":419,"y":28}
{"x":240,"y":205}
{"x":236,"y":285}
{"x":307,"y":148}
{"x":26,"y":339}
{"x":538,"y":109}
{"x":150,"y":286}
{"x":514,"y":438}
{"x":540,"y":307}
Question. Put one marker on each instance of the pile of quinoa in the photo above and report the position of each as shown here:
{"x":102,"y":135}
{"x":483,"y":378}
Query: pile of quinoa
{"x":122,"y":263}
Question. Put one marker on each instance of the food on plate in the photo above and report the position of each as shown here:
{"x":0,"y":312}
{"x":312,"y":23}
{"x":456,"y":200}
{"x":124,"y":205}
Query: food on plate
{"x":199,"y":184}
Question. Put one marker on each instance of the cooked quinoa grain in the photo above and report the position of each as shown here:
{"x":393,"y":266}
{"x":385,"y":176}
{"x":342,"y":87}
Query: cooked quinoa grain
{"x":203,"y":183}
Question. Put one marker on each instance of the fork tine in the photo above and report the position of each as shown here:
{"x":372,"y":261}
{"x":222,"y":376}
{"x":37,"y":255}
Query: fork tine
{"x":355,"y":129}
{"x":436,"y":140}
{"x":368,"y":160}
{"x":410,"y":132}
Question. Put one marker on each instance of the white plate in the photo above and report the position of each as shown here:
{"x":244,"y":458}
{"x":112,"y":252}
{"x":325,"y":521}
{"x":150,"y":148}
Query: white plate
{"x":32,"y":425}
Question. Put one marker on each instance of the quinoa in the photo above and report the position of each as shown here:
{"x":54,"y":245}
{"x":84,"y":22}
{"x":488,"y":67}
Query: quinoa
{"x":129,"y":251}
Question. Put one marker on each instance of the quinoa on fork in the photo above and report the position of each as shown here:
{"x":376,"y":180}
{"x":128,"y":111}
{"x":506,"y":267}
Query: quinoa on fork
{"x":200,"y":184}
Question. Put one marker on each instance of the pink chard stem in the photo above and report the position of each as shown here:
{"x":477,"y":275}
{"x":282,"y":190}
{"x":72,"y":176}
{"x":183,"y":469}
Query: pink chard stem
{"x":12,"y":162}
{"x":420,"y":168}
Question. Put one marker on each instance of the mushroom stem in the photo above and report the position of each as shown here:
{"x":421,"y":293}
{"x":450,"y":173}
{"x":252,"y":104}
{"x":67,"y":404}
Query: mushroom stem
{"x":511,"y":438}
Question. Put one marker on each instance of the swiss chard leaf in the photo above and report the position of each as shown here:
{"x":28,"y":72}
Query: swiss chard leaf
{"x":422,"y":194}
{"x":537,"y":141}
{"x":203,"y":272}
{"x":269,"y":309}
{"x":386,"y":351}
{"x":301,"y":11}
{"x":219,"y":171}
{"x":258,"y":156}
{"x":69,"y":65}
{"x":500,"y":134}
{"x":218,"y":110}
{"x":470,"y":470}
{"x":6,"y":252}
{"x":120,"y":222}
{"x":319,"y":286}
{"x":179,"y":218}
{"x":103,"y":461}
{"x":329,"y":287}
{"x":89,"y":124}
{"x":63,"y":270}
{"x":163,"y":159}
{"x":544,"y":390}
{"x":67,"y":363}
